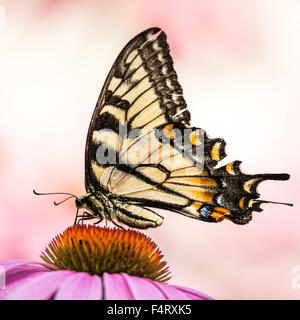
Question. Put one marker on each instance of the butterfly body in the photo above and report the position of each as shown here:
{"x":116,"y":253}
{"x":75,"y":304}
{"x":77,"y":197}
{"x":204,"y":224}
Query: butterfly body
{"x":110,"y":208}
{"x":142,"y":152}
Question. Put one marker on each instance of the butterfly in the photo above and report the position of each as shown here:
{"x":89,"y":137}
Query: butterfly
{"x":141,"y":151}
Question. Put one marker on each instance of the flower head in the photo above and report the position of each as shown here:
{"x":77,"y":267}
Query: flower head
{"x":88,"y":262}
{"x":98,"y":250}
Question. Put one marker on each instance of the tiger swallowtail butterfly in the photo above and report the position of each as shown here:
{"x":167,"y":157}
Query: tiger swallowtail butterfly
{"x":141,"y":151}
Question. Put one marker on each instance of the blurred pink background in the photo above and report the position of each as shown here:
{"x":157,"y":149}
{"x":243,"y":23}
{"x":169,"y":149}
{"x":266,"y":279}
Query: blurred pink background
{"x":238,"y":62}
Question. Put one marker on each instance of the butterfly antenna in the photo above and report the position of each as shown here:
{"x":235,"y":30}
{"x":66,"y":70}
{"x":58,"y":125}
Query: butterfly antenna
{"x":58,"y":203}
{"x":54,"y":193}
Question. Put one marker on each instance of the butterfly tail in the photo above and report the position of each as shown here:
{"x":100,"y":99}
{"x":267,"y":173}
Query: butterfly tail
{"x":239,"y":191}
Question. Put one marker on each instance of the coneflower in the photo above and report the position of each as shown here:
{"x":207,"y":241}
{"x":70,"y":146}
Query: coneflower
{"x":89,"y":262}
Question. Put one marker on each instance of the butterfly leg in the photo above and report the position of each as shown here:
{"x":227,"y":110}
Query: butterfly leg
{"x":116,"y":224}
{"x":85,"y":216}
{"x":76,"y":217}
{"x":97,"y":222}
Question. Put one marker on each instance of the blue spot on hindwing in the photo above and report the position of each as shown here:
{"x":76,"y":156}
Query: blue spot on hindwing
{"x":206,"y":211}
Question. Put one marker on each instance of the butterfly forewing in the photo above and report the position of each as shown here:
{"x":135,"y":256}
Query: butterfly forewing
{"x":141,"y":91}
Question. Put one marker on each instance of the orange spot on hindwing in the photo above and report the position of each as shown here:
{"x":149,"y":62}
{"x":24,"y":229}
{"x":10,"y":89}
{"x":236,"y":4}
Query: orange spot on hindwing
{"x":194,"y":138}
{"x":220,"y":213}
{"x":215,"y":151}
{"x":230,"y":168}
{"x":169,"y":131}
{"x":242,"y":202}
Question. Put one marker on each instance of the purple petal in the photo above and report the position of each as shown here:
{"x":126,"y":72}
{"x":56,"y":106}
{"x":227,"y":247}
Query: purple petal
{"x":11,"y":264}
{"x":115,"y":287}
{"x":143,"y":289}
{"x":18,"y":270}
{"x":80,"y":286}
{"x":127,"y":287}
{"x":27,"y":279}
{"x":192,"y":294}
{"x":36,"y":286}
{"x":15,"y":268}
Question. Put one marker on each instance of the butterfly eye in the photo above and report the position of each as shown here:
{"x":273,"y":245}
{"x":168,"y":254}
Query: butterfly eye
{"x":78,"y":202}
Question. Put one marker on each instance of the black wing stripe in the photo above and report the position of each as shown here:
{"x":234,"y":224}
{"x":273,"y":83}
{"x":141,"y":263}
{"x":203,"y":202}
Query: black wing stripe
{"x":133,"y":45}
{"x":130,"y":75}
{"x":143,"y":109}
{"x":173,"y":104}
{"x":138,"y":164}
{"x":202,"y":186}
{"x":147,"y":75}
{"x":152,"y":120}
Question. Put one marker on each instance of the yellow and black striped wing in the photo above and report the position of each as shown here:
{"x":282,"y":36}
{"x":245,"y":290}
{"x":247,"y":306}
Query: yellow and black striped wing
{"x":141,"y":91}
{"x":142,"y":151}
